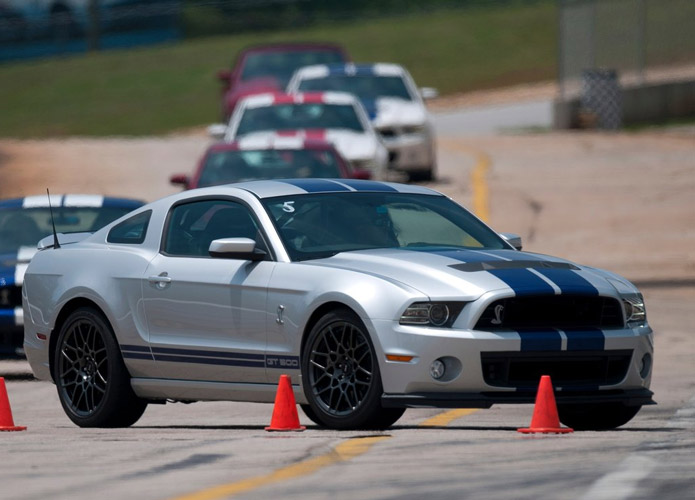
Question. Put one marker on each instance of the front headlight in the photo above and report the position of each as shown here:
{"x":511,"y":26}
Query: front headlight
{"x":414,"y":129}
{"x":635,"y":312}
{"x":439,"y":314}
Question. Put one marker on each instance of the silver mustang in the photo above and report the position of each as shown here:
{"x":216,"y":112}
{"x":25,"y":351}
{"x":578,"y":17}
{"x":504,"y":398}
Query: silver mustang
{"x":374,"y":297}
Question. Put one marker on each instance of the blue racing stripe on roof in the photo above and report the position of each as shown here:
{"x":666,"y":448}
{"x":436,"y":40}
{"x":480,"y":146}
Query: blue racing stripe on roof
{"x":545,"y":339}
{"x":121,"y":203}
{"x":359,"y":185}
{"x":568,"y":281}
{"x":316,"y":185}
{"x":523,"y":281}
{"x":585,"y":339}
{"x":13,"y":203}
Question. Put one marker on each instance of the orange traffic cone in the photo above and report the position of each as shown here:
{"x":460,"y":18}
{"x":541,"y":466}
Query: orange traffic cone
{"x":545,"y":419}
{"x":6,"y":422}
{"x":285,"y":417}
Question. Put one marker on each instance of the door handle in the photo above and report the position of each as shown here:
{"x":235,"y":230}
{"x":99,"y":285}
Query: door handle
{"x":160,"y":281}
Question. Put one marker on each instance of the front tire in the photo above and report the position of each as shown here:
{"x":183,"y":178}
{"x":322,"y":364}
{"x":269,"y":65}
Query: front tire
{"x":596,"y":417}
{"x":340,"y":375}
{"x":92,"y":381}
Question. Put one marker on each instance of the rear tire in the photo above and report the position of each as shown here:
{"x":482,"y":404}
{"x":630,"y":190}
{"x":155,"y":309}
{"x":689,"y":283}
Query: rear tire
{"x":92,"y":381}
{"x":596,"y":417}
{"x":340,"y":375}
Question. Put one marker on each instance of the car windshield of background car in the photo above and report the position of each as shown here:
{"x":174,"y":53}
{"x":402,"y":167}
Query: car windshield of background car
{"x":225,"y":167}
{"x":366,"y":87}
{"x":314,"y":226}
{"x":26,"y":226}
{"x":282,"y":64}
{"x":299,"y":116}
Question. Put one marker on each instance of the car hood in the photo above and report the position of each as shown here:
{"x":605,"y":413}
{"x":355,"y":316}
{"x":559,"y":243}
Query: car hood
{"x":14,"y":265}
{"x":394,"y":112}
{"x":446,"y":273}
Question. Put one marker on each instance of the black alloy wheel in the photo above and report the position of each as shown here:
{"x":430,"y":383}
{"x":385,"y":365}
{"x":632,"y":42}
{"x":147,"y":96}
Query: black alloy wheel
{"x":341,"y":375}
{"x":92,"y":381}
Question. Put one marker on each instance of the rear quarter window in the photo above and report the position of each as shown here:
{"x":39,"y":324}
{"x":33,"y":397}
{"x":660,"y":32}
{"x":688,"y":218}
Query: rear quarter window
{"x":131,"y":231}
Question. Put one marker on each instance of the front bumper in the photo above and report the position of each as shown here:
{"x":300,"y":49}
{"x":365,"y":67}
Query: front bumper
{"x":485,"y":368}
{"x":410,"y":152}
{"x":635,"y":397}
{"x":11,"y":331}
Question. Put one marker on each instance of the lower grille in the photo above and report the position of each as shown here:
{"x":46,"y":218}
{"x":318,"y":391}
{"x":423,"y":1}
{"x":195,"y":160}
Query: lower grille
{"x":566,"y":369}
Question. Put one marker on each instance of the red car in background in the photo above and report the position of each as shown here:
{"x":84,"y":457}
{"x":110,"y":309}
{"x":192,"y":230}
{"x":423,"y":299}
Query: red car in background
{"x":268,"y":157}
{"x":269,"y":67}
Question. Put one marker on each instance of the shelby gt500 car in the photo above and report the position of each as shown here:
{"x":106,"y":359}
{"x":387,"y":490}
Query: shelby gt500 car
{"x":374,"y":297}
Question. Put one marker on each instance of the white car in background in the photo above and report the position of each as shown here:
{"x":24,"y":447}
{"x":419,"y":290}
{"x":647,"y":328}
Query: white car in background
{"x":335,"y":117}
{"x":393,"y":103}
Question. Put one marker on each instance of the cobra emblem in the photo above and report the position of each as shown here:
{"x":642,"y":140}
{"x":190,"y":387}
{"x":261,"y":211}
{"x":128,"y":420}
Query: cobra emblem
{"x":499,"y":315}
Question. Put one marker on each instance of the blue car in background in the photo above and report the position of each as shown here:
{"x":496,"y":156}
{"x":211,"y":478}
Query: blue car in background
{"x":25,"y":221}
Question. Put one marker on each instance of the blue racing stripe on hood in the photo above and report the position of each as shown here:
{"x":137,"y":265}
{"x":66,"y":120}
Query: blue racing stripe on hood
{"x":316,"y":185}
{"x":7,"y":268}
{"x":523,"y":281}
{"x":370,"y":107}
{"x":569,"y":281}
{"x":585,"y":339}
{"x":544,"y":339}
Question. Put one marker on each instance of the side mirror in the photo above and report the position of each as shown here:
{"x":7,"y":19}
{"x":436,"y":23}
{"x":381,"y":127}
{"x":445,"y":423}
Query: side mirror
{"x":513,"y":239}
{"x":225,"y":76}
{"x":429,"y":93}
{"x":236,"y":248}
{"x":217,"y":131}
{"x":359,"y":173}
{"x":180,"y":180}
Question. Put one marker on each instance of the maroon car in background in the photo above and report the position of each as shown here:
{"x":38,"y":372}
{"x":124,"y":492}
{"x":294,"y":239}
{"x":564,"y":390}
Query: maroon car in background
{"x":274,"y":157}
{"x":269,"y":67}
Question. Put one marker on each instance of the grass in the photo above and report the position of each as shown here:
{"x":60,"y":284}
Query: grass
{"x":160,"y":89}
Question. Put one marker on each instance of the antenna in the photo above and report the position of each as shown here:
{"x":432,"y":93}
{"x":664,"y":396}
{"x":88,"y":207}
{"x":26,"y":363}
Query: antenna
{"x":50,"y":208}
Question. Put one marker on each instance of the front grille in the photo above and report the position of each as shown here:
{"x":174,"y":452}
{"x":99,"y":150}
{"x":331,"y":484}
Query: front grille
{"x":566,"y":369}
{"x":551,"y":311}
{"x":10,"y":296}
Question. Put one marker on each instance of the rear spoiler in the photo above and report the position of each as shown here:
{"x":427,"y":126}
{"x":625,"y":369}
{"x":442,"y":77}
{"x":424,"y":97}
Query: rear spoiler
{"x":63,"y":239}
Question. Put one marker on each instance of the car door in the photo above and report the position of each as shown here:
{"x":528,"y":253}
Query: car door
{"x":206,"y":316}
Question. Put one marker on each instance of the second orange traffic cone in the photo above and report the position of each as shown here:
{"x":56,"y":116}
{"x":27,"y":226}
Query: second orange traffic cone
{"x":285,"y":417}
{"x":545,"y":418}
{"x":6,"y":421}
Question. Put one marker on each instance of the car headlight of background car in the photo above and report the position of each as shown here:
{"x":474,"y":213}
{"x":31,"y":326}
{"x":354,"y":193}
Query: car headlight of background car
{"x":414,"y":129}
{"x":635,"y":312}
{"x":438,"y":314}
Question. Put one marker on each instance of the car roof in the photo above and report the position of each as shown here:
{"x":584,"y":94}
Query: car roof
{"x":350,"y":69}
{"x":71,"y":200}
{"x":275,"y":140}
{"x":288,"y":187}
{"x":276,"y":98}
{"x":299,"y":46}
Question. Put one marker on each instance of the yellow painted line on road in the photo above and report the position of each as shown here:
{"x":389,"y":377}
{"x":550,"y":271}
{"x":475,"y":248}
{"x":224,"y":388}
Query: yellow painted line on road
{"x":444,"y":419}
{"x":481,"y":203}
{"x":345,"y":451}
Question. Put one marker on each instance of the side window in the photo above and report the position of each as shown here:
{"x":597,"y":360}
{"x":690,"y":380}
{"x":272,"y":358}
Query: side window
{"x":191,"y":227}
{"x":131,"y":231}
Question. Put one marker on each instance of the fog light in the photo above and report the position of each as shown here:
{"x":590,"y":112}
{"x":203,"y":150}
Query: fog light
{"x":437,"y":369}
{"x":645,"y":365}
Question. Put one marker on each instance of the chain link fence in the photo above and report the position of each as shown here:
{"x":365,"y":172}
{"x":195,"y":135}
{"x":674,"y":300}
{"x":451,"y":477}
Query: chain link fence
{"x":643,"y":41}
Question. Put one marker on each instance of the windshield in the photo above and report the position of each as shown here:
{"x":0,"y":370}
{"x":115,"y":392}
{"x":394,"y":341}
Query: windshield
{"x":282,"y":64}
{"x":299,"y":116}
{"x":224,"y":167}
{"x":366,"y":87}
{"x":314,"y":226}
{"x":26,"y":226}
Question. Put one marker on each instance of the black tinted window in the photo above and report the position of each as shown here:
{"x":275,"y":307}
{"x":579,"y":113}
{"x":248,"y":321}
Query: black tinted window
{"x":193,"y":226}
{"x":131,"y":231}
